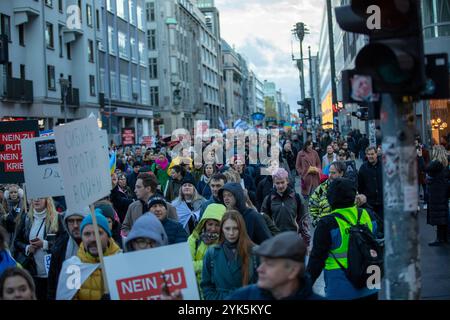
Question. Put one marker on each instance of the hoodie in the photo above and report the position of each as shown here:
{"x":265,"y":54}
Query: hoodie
{"x":256,"y":226}
{"x":147,"y":226}
{"x":197,"y":247}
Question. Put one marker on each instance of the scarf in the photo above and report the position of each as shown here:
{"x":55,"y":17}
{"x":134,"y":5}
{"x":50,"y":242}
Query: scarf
{"x":163,"y":164}
{"x":208,"y":236}
{"x":230,"y":250}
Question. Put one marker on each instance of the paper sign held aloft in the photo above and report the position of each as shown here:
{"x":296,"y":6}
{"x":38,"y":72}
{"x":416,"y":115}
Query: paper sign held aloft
{"x":84,"y":162}
{"x":138,"y":275}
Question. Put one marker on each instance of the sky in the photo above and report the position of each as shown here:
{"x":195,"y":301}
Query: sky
{"x":260,"y":30}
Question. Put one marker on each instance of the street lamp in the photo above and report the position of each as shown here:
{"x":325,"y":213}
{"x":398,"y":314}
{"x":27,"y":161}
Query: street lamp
{"x":65,"y":84}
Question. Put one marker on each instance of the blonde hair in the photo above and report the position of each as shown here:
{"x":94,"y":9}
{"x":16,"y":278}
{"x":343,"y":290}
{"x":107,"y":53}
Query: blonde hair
{"x":439,"y":154}
{"x":51,"y":221}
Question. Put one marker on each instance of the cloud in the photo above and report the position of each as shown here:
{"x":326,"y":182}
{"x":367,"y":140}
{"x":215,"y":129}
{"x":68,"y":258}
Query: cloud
{"x":261,"y":32}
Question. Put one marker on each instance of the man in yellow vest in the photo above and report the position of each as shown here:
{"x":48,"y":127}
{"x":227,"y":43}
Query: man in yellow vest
{"x":331,"y":239}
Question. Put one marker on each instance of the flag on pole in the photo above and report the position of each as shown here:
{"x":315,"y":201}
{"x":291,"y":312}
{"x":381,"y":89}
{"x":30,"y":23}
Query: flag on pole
{"x":112,"y":162}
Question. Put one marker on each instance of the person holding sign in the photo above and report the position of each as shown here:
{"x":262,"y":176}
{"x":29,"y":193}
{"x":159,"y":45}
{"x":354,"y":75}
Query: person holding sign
{"x":147,"y":233}
{"x":65,"y":247}
{"x":228,"y":265}
{"x":92,"y":288}
{"x":36,"y":234}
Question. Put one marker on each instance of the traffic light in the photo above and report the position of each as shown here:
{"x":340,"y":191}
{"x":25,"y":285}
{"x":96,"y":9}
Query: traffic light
{"x":394,"y":57}
{"x":4,"y":57}
{"x":306,"y":103}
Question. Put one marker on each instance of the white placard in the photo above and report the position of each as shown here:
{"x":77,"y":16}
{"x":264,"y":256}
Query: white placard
{"x":41,"y":168}
{"x":137,"y":275}
{"x":84,"y":162}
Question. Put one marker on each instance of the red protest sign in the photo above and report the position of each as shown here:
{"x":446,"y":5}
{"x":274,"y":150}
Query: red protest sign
{"x":128,"y":136}
{"x":148,"y":286}
{"x":11,"y":163}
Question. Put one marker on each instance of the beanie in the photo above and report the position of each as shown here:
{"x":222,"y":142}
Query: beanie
{"x":106,"y":210}
{"x":341,"y":193}
{"x":101,"y":221}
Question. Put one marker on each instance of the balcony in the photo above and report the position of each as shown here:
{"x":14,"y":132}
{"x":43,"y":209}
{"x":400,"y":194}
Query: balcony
{"x":73,"y":97}
{"x":24,"y":10}
{"x":18,"y":90}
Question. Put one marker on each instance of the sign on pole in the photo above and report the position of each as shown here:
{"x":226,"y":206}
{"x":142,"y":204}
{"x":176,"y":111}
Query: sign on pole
{"x":138,"y":275}
{"x":42,"y":171}
{"x":84,"y":162}
{"x":11,"y":133}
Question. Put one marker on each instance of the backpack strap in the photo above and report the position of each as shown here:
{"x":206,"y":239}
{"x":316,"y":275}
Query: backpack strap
{"x":340,"y":216}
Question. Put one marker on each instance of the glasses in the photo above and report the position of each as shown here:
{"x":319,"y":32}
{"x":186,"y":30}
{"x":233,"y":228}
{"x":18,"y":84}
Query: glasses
{"x":144,"y":243}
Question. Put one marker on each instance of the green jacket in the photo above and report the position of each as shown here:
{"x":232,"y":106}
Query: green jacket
{"x":318,"y":203}
{"x":161,"y":176}
{"x":197,"y":247}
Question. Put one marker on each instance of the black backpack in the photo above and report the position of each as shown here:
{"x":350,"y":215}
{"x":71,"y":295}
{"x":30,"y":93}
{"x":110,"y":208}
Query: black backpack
{"x":364,"y":250}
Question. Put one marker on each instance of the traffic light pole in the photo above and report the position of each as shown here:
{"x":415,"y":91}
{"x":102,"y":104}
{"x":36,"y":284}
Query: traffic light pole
{"x":332,"y":63}
{"x":402,"y":278}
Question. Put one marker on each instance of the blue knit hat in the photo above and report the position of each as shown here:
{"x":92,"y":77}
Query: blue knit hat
{"x":101,"y":221}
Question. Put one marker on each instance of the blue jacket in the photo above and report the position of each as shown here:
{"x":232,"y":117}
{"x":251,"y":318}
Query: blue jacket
{"x":175,"y":231}
{"x":220,"y":278}
{"x":253,"y":292}
{"x":256,"y":226}
{"x":204,"y":189}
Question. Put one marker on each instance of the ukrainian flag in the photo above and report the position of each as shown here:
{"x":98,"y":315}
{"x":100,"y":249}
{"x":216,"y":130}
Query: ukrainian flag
{"x":112,"y":163}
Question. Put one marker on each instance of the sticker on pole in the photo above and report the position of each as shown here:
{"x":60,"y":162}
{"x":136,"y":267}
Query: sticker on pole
{"x":84,"y":162}
{"x":41,"y":167}
{"x":139,"y":275}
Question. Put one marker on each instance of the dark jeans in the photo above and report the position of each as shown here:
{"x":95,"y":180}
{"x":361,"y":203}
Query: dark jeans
{"x":441,"y":233}
{"x":41,"y":288}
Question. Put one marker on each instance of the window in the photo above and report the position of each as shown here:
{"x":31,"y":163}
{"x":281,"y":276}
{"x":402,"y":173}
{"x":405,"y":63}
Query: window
{"x":141,"y":53}
{"x":132,"y":6}
{"x":134,"y":52}
{"x":135,"y":87}
{"x":49,"y":3}
{"x":60,"y":41}
{"x":22,"y":71}
{"x":5,"y":25}
{"x":151,"y":39}
{"x":90,"y":51}
{"x":113,"y":85}
{"x":49,"y":36}
{"x":124,"y":91}
{"x":150,"y":11}
{"x":111,"y":39}
{"x":22,"y":35}
{"x":97,"y":18}
{"x":89,"y":15}
{"x":120,"y":7}
{"x":153,"y":68}
{"x":123,"y":48}
{"x":69,"y":51}
{"x":92,"y":85}
{"x":51,"y":77}
{"x":154,"y":96}
{"x":101,"y":84}
{"x":144,"y":92}
{"x":139,"y":17}
{"x":60,"y":6}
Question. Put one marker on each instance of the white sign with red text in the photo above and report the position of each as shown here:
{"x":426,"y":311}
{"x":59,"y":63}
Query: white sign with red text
{"x":138,"y":275}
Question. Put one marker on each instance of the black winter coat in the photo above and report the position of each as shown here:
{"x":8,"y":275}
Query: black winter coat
{"x":370,"y":183}
{"x":438,"y":193}
{"x":120,"y":201}
{"x":58,"y":257}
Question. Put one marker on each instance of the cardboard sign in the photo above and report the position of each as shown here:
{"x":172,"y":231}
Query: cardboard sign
{"x":11,"y":163}
{"x":40,"y":163}
{"x":84,"y":162}
{"x":138,"y":275}
{"x":128,"y":136}
{"x":149,"y":141}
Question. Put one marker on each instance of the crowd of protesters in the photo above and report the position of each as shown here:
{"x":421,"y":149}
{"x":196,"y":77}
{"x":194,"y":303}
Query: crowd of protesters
{"x":238,"y":222}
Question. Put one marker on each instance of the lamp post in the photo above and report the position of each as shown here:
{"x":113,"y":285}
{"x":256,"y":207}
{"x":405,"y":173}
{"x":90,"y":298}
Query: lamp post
{"x":64,"y":83}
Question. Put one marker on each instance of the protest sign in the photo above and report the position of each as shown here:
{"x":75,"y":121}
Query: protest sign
{"x":40,"y":163}
{"x":84,"y":162}
{"x":11,"y":163}
{"x":138,"y":275}
{"x":128,"y":136}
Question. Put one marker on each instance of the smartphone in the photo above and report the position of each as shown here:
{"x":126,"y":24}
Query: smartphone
{"x":51,"y":237}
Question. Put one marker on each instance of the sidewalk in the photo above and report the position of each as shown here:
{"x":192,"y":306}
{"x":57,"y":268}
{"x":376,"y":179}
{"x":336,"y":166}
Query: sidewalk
{"x":434,"y":263}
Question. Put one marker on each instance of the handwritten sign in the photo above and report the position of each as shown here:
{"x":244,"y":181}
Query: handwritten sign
{"x":138,"y":275}
{"x":41,"y":168}
{"x":128,"y":136}
{"x":11,"y":162}
{"x":84,"y":162}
